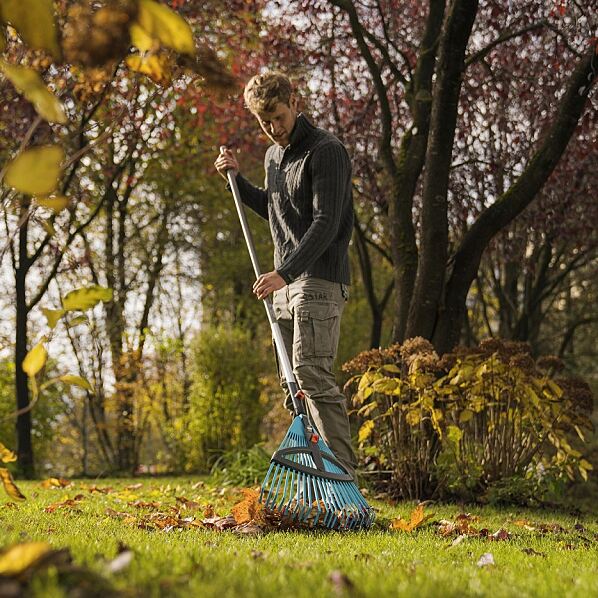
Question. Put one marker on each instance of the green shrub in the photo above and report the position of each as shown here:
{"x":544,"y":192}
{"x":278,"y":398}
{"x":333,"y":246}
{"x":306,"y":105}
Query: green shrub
{"x":46,"y":415}
{"x":226,"y":403}
{"x":469,"y":422}
{"x":241,"y":467}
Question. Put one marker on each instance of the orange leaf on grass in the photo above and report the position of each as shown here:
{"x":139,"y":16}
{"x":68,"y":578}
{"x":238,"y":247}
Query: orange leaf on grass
{"x":9,"y":485}
{"x":249,"y":509}
{"x":55,"y":483}
{"x":69,"y":503}
{"x":416,"y":519}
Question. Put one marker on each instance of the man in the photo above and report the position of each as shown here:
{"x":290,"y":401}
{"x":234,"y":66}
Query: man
{"x":308,"y":203}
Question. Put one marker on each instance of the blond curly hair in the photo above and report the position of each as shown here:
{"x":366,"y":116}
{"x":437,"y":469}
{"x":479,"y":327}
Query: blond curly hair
{"x":264,"y":91}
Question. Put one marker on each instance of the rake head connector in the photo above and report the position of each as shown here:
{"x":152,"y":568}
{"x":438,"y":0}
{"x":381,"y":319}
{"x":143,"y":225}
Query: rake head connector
{"x":309,"y":486}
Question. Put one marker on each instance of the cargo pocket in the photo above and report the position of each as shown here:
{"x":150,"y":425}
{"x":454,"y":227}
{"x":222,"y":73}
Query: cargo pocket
{"x":316,"y":334}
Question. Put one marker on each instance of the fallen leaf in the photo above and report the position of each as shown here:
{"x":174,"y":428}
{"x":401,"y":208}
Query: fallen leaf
{"x":9,"y":485}
{"x":249,"y":509}
{"x":143,"y":504}
{"x":341,"y":583}
{"x":458,"y":540}
{"x":105,"y":490}
{"x":20,"y":557}
{"x":417,"y":519}
{"x":467,"y":517}
{"x":247,"y":529}
{"x":113,"y":513}
{"x":138,"y":484}
{"x":533,"y":552}
{"x":521,"y":522}
{"x":56,"y":483}
{"x":188,"y":504}
{"x":486,"y":560}
{"x":501,"y":534}
{"x":551,"y":528}
{"x":65,"y":504}
{"x":120,"y":562}
{"x":220,"y":523}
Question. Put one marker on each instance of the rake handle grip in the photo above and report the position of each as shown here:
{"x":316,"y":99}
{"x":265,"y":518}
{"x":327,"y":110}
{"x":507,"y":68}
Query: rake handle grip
{"x":283,"y":357}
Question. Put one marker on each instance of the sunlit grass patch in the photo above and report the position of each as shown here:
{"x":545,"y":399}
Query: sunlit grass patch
{"x":535,"y":552}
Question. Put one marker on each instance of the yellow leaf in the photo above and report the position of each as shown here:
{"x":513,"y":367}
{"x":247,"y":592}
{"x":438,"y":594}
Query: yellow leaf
{"x":77,"y":320}
{"x":86,"y":297}
{"x":2,"y":39}
{"x":465,"y":416}
{"x":141,"y":40}
{"x":400,"y":524}
{"x":55,"y":483}
{"x":34,"y":20}
{"x":36,"y":171}
{"x":413,"y":417}
{"x":161,"y":23}
{"x":416,"y":519}
{"x":365,"y":431}
{"x":10,"y":487}
{"x":56,"y":203}
{"x":17,"y":559}
{"x":6,"y":456}
{"x":556,"y":390}
{"x":32,"y":86}
{"x":76,"y":381}
{"x":35,"y":360}
{"x":53,"y":315}
{"x":156,"y":67}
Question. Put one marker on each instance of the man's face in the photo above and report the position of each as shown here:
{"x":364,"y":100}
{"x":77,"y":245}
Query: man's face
{"x":279,"y":123}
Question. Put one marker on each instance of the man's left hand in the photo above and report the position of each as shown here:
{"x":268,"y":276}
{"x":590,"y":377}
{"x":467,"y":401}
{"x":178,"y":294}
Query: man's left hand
{"x":268,"y":283}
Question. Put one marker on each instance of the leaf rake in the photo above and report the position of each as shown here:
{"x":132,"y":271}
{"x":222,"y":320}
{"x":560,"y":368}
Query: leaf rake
{"x":306,"y":484}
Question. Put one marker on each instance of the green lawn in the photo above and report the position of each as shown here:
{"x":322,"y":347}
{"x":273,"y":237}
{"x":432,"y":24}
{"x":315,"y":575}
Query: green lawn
{"x":546,"y":554}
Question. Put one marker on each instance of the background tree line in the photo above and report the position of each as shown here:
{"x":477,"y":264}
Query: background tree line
{"x":472,"y":131}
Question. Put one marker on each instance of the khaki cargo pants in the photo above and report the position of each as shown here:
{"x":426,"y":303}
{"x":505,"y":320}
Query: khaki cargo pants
{"x":309,"y":314}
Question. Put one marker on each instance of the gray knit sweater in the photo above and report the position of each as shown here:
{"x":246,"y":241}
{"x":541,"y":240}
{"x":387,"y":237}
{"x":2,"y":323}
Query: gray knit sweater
{"x":308,"y":203}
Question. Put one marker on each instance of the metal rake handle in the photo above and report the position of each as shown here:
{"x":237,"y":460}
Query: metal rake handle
{"x":283,"y":357}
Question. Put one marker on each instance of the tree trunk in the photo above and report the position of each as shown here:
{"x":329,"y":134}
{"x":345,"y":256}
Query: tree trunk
{"x":426,"y":301}
{"x":411,"y":159}
{"x":512,"y":202}
{"x":24,"y":443}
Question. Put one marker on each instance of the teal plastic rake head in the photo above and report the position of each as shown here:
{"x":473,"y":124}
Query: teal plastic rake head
{"x":307,"y":485}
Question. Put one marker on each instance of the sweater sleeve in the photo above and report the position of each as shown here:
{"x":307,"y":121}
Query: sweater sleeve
{"x":254,"y":197}
{"x":330,"y":172}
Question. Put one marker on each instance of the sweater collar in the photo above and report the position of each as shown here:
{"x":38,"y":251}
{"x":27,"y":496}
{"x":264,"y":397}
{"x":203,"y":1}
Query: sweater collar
{"x":300,"y":131}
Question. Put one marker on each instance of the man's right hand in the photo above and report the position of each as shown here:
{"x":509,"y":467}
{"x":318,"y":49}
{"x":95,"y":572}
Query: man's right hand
{"x":226,"y":161}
